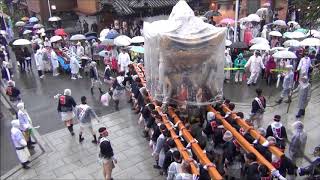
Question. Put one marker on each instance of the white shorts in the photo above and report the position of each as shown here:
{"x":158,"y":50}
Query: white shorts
{"x":86,"y":125}
{"x":65,"y":116}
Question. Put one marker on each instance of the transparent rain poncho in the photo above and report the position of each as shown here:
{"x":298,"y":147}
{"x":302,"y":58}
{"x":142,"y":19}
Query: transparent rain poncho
{"x":184,"y":58}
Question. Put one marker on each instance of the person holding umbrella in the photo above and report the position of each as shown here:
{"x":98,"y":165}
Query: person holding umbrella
{"x":39,"y":62}
{"x":54,"y":62}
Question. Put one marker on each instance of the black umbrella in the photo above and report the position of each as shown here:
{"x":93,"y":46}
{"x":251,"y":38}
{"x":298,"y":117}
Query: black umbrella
{"x":211,"y":13}
{"x":90,"y":34}
{"x":239,"y":45}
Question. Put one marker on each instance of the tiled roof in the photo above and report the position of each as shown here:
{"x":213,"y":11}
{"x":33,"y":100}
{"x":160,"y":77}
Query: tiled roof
{"x":127,"y":7}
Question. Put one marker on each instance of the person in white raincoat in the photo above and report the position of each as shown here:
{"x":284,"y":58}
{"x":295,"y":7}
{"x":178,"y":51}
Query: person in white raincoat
{"x":39,"y":62}
{"x":75,"y":66}
{"x":20,"y":144}
{"x":54,"y":62}
{"x":287,"y":84}
{"x":304,"y":95}
{"x":80,"y":50}
{"x":227,"y":64}
{"x":255,"y":65}
{"x":25,"y":124}
{"x":298,"y":143}
{"x":123,"y":61}
{"x":304,"y":65}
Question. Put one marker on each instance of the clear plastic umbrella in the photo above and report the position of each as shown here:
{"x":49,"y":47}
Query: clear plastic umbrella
{"x":294,"y":35}
{"x":20,"y":23}
{"x":275,"y":33}
{"x":78,"y":37}
{"x":310,"y":42}
{"x":291,"y":43}
{"x":21,"y":42}
{"x":54,"y":18}
{"x":37,"y":26}
{"x":33,"y":20}
{"x":137,"y":39}
{"x":228,"y":42}
{"x":27,"y":31}
{"x":280,"y":23}
{"x":122,"y":40}
{"x":55,"y":38}
{"x":284,"y":55}
{"x":259,"y":40}
{"x":254,"y":18}
{"x":263,"y":47}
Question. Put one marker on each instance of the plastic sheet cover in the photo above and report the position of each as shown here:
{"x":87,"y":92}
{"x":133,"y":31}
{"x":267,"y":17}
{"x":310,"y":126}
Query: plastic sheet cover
{"x":184,"y":58}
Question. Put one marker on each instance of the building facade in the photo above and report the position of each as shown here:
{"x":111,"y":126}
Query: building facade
{"x":246,"y":7}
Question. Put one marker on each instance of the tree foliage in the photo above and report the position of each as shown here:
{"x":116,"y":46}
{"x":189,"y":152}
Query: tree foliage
{"x":309,"y":12}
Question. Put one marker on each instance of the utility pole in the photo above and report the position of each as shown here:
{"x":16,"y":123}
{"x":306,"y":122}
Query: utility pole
{"x":236,"y":21}
{"x":49,"y":6}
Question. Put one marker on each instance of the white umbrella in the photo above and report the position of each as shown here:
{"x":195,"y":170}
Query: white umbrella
{"x":54,"y":18}
{"x":104,"y":33}
{"x":310,"y":42}
{"x":314,"y":33}
{"x":106,"y":42}
{"x":137,"y":39}
{"x":263,"y":47}
{"x":262,"y":11}
{"x":266,"y":5}
{"x":40,"y":31}
{"x":21,"y":42}
{"x":295,"y":35}
{"x":293,"y":23}
{"x":228,"y":42}
{"x":55,"y":38}
{"x":275,"y":33}
{"x":27,"y":31}
{"x":291,"y":43}
{"x":3,"y":32}
{"x":284,"y":55}
{"x":259,"y":40}
{"x":278,"y":48}
{"x":280,"y":23}
{"x":78,"y":37}
{"x":244,"y":19}
{"x":122,"y":40}
{"x":33,"y":19}
{"x":254,"y":17}
{"x":37,"y":26}
{"x":20,"y":23}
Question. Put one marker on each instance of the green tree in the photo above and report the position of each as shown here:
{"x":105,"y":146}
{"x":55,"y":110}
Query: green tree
{"x":309,"y":11}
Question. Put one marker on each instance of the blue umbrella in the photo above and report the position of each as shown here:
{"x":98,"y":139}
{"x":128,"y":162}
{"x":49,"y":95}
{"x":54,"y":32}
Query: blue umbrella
{"x":33,"y":20}
{"x":112,"y":34}
{"x":28,"y":26}
{"x":89,"y":38}
{"x":137,"y":49}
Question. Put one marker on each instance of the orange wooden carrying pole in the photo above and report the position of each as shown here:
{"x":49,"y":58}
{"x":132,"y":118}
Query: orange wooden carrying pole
{"x":214,"y":174}
{"x":241,"y":140}
{"x":180,"y":147}
{"x":255,"y":134}
{"x":175,"y":137}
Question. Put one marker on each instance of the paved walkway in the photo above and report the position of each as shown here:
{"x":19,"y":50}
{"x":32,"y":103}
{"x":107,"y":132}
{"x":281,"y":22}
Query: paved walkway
{"x":65,"y":158}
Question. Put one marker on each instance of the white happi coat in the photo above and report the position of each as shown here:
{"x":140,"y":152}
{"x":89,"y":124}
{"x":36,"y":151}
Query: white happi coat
{"x":54,"y":59}
{"x":19,"y":142}
{"x":39,"y":60}
{"x":304,"y":65}
{"x":74,"y":65}
{"x":123,"y":61}
{"x":255,"y":64}
{"x":80,"y":51}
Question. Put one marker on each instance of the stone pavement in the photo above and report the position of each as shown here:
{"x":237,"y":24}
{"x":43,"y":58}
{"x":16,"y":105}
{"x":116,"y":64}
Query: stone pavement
{"x":65,"y":158}
{"x":310,"y":120}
